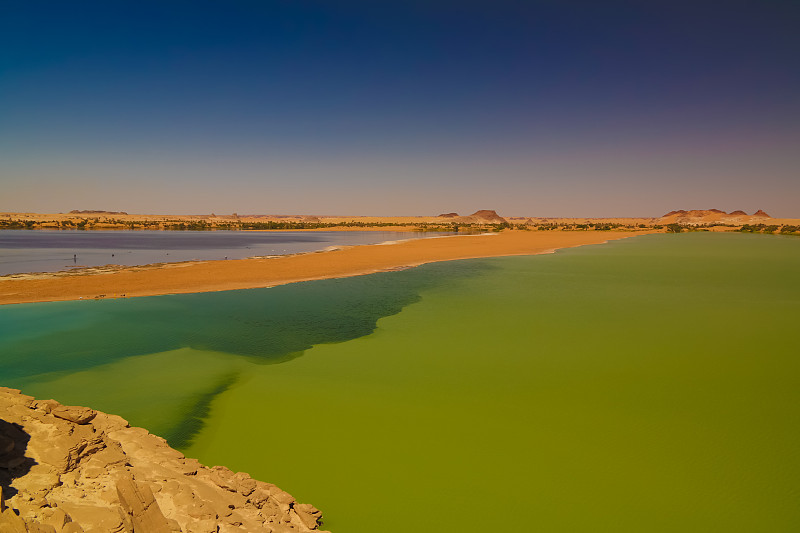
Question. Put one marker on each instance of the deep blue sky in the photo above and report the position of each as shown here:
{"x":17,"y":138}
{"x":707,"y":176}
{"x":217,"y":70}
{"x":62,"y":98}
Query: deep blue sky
{"x":537,"y":108}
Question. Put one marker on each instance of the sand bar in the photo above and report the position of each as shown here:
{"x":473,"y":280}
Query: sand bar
{"x":207,"y":276}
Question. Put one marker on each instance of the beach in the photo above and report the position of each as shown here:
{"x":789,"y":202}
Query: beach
{"x":207,"y":276}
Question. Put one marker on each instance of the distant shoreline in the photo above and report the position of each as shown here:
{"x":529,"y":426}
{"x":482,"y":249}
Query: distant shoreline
{"x":210,"y":276}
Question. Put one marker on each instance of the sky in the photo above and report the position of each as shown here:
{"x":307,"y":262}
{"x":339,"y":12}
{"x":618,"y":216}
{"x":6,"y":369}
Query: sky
{"x":532,"y":108}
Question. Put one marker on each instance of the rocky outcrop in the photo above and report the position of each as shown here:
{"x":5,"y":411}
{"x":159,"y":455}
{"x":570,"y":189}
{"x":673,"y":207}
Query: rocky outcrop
{"x":71,"y":470}
{"x":711,"y":216}
{"x":483,"y":216}
{"x":488,"y":216}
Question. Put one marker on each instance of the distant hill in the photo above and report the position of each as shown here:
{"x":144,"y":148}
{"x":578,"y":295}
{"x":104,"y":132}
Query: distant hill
{"x":708,"y":216}
{"x":96,"y":212}
{"x":482,"y":216}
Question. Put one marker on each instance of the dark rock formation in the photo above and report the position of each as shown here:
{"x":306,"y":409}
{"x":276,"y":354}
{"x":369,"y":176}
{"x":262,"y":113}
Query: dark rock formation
{"x":738,"y":212}
{"x":761,"y":213}
{"x":448,"y":215}
{"x":72,"y":469}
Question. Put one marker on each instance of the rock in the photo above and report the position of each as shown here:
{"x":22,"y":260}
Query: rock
{"x":47,"y":405}
{"x":140,"y":505}
{"x":700,"y":217}
{"x":35,"y":527}
{"x":11,"y":523}
{"x":56,"y":518}
{"x":75,"y":470}
{"x":488,"y":216}
{"x":309,"y":515}
{"x":245,"y":485}
{"x":78,"y":415}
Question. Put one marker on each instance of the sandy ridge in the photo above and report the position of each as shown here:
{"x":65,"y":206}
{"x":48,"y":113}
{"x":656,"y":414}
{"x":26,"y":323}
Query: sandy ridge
{"x":208,"y":276}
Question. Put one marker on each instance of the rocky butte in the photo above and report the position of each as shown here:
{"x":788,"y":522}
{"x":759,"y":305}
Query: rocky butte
{"x":71,"y":470}
{"x":482,"y":216}
{"x":707,"y":216}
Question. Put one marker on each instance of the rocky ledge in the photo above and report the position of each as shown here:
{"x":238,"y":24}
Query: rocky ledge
{"x":71,"y":469}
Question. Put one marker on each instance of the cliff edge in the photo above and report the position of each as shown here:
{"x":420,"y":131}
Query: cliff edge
{"x":71,"y":470}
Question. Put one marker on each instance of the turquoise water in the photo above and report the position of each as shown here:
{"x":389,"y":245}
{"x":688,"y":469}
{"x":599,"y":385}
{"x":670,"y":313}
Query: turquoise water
{"x":649,"y":384}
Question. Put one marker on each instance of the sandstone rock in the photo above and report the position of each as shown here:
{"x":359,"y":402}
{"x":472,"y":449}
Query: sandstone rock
{"x":35,"y":527}
{"x":108,"y":423}
{"x":140,"y":505}
{"x":92,"y":515}
{"x":56,"y":518}
{"x":11,"y":523}
{"x":78,"y":415}
{"x":46,"y":405}
{"x":245,"y":485}
{"x":309,"y":515}
{"x":222,"y":477}
{"x":488,"y":216}
{"x":74,"y":470}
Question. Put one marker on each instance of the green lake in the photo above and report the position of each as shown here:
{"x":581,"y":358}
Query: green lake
{"x":648,"y":384}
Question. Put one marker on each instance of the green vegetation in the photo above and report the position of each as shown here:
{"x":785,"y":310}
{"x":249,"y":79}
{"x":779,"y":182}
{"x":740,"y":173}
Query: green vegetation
{"x":240,"y":225}
{"x":770,"y":229}
{"x":236,"y":224}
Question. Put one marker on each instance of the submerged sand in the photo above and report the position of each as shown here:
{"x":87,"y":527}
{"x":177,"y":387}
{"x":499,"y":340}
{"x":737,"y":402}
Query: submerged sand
{"x":207,"y":276}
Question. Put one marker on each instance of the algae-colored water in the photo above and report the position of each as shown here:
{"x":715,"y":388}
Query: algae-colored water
{"x":649,"y":384}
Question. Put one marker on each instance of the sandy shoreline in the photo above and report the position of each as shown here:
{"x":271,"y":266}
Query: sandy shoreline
{"x":208,"y":276}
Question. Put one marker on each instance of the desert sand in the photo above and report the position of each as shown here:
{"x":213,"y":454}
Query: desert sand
{"x":207,"y":276}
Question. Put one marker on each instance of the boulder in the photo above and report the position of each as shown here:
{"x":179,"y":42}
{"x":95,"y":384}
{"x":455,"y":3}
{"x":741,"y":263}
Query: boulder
{"x":78,"y":415}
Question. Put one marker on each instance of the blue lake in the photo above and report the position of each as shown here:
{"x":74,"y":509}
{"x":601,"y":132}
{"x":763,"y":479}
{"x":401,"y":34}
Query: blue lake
{"x":54,"y":250}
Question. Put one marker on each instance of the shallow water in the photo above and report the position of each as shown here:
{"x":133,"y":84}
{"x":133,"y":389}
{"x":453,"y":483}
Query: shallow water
{"x":54,"y":250}
{"x":649,"y":384}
